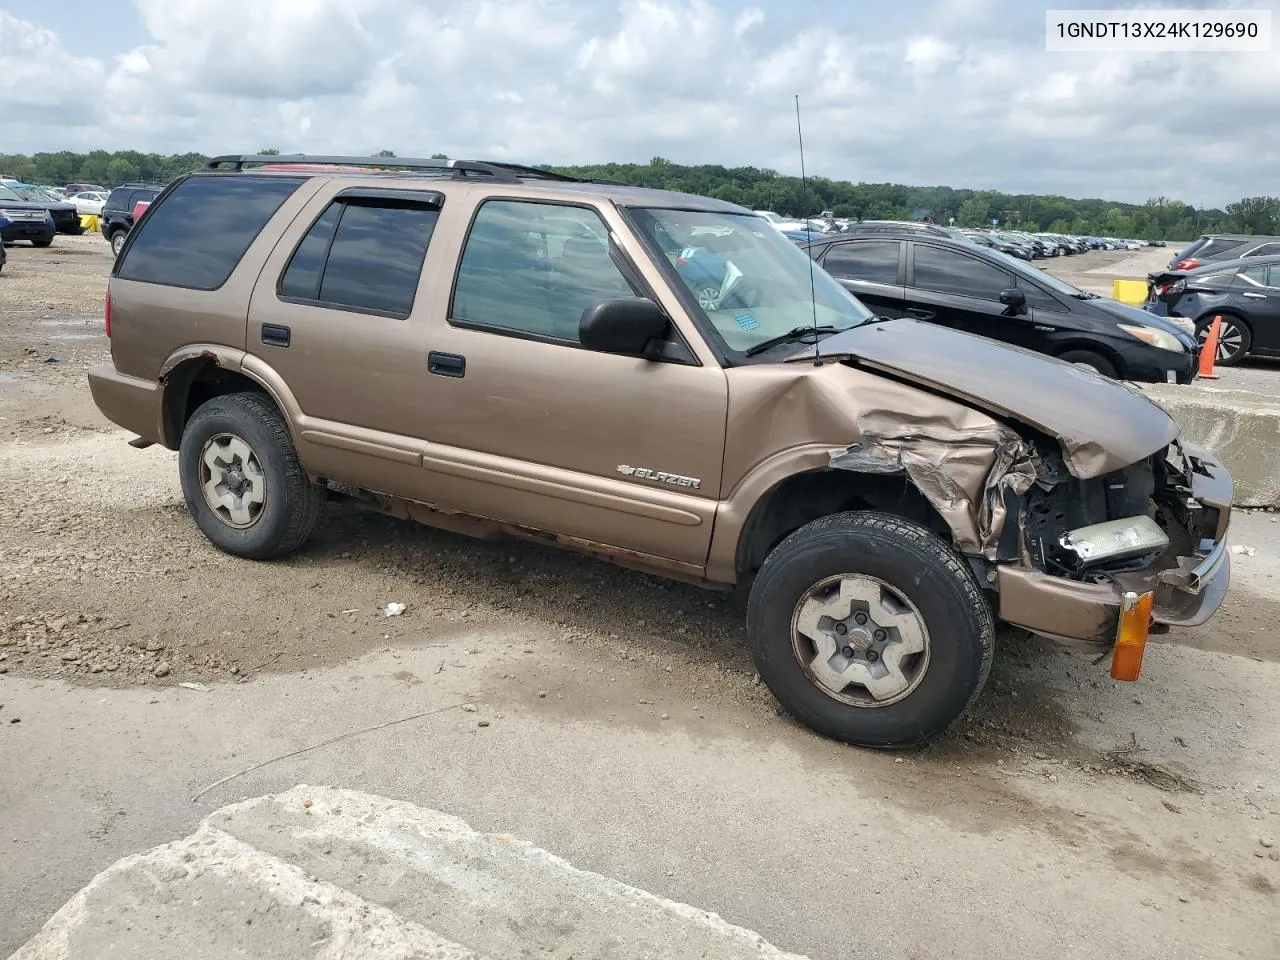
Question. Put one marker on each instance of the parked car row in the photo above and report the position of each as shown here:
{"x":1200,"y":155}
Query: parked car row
{"x":1025,"y":246}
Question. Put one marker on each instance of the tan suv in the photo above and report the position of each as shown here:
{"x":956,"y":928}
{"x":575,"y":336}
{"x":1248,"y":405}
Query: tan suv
{"x":665,"y":381}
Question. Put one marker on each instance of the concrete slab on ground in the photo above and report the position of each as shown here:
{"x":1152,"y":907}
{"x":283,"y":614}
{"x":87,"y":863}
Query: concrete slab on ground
{"x":319,"y":872}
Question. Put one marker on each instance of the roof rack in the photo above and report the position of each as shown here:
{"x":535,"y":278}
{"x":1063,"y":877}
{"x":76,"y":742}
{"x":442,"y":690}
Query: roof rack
{"x":500,"y":171}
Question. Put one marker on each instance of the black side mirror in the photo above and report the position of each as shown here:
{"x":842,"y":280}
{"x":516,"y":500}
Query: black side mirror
{"x":631,"y":326}
{"x":1014,"y":299}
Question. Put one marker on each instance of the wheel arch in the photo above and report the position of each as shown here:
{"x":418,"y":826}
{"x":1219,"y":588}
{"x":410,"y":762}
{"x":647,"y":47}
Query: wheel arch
{"x":1104,"y":350}
{"x":750,"y":526}
{"x":200,"y":372}
{"x":1233,"y":312}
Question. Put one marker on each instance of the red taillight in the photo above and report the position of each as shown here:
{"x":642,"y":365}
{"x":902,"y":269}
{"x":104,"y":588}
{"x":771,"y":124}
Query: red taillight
{"x":1187,"y":264}
{"x":106,"y":315}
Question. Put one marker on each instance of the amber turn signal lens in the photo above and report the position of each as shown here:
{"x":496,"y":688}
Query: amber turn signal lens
{"x":1131,"y":635}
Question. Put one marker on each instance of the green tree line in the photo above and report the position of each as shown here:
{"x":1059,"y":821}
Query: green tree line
{"x":764,"y":189}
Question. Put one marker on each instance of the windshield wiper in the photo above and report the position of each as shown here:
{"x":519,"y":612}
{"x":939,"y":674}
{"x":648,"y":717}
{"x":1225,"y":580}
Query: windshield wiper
{"x":787,"y":337}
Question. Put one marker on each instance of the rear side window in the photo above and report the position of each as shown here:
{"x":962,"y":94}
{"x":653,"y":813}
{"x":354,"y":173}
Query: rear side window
{"x":1215,"y":247}
{"x":362,"y":254}
{"x":1191,"y":250}
{"x":196,"y":237}
{"x":874,"y":261}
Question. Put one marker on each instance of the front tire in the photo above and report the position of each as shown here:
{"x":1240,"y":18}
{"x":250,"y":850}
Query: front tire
{"x":117,"y":241}
{"x":242,"y":481}
{"x":42,"y":243}
{"x":869,"y":629}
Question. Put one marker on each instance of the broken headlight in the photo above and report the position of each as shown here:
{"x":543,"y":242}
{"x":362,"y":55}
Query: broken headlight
{"x":1115,"y":540}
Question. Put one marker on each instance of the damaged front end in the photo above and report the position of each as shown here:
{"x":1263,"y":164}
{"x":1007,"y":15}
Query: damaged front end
{"x":1074,"y":557}
{"x":1157,"y":527}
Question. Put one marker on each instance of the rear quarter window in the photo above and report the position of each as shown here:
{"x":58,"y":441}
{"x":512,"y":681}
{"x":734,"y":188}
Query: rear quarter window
{"x":195,"y":237}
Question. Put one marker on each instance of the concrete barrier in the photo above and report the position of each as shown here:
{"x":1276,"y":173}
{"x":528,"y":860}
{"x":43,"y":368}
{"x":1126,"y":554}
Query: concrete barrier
{"x":1240,"y":427}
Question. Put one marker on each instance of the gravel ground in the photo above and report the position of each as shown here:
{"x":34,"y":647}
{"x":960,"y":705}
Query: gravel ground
{"x":110,"y":599}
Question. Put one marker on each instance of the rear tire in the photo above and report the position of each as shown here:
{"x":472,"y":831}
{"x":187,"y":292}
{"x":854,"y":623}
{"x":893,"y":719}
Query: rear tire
{"x":1234,"y":338}
{"x":902,"y":582}
{"x":242,"y":481}
{"x":1094,"y":361}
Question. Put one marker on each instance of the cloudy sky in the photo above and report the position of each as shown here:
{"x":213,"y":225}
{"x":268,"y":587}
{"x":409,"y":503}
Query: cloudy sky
{"x":954,"y":92}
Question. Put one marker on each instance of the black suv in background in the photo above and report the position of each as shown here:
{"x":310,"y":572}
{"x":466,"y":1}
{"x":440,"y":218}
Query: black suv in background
{"x":117,"y":212}
{"x":979,"y":290}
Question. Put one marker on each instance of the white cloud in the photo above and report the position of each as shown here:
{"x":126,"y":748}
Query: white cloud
{"x":957,"y":92}
{"x":926,"y":54}
{"x":39,"y":76}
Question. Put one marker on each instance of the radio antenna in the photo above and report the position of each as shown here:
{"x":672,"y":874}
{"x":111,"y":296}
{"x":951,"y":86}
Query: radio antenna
{"x":808,"y":239}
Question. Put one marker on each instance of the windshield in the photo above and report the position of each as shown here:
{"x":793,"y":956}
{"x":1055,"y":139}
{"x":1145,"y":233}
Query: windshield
{"x":1043,"y":276}
{"x":7,"y":194}
{"x":34,"y":194}
{"x":752,"y":283}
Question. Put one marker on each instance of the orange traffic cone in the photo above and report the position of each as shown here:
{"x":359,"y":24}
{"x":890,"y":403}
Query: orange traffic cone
{"x":1209,"y":352}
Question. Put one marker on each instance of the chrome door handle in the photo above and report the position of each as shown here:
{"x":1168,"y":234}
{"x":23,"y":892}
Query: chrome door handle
{"x":1255,"y":296}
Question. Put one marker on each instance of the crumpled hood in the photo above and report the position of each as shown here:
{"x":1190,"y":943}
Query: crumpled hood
{"x":1102,"y":425}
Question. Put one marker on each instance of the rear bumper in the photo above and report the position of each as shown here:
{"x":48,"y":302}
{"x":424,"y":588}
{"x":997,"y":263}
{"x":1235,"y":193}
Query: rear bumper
{"x":1086,"y":614}
{"x":136,"y":405}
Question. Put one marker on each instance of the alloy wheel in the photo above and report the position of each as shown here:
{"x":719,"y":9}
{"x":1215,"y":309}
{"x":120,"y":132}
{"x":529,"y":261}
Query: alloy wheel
{"x":860,"y":641}
{"x":232,"y":480}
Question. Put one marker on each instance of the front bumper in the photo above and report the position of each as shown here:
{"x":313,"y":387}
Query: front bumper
{"x":1145,"y":364}
{"x":28,"y":230}
{"x":67,"y":221}
{"x":1084,"y":614}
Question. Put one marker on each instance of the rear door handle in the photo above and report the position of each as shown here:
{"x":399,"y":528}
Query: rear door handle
{"x":276,"y":335}
{"x":922,"y":314}
{"x":1254,"y":296}
{"x":446,"y":364}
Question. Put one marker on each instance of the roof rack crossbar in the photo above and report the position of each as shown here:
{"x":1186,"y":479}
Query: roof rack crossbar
{"x":505,"y":173}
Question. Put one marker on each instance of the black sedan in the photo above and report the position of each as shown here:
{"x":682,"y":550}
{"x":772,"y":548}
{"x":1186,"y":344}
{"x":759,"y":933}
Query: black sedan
{"x":1245,"y":293}
{"x":983,"y":291}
